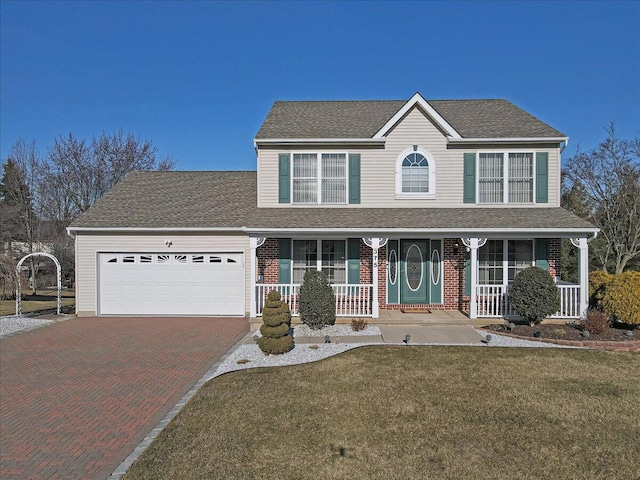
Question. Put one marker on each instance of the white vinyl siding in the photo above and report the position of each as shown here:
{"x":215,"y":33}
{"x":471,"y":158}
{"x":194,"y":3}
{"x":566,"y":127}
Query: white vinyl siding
{"x":88,"y":247}
{"x":378,"y":167}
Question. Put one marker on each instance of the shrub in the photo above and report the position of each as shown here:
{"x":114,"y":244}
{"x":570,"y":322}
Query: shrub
{"x":595,"y":322}
{"x":317,"y":301}
{"x":533,"y":295}
{"x":276,"y":318}
{"x":622,"y":298}
{"x":358,"y":324}
{"x":598,"y":282}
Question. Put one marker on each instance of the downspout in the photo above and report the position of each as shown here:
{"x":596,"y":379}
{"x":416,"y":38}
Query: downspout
{"x":565,"y":144}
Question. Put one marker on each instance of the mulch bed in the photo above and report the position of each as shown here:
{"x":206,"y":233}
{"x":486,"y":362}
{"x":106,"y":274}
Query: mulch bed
{"x":567,"y":332}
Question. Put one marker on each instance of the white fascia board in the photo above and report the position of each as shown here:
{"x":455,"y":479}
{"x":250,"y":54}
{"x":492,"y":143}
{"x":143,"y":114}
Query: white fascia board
{"x":417,"y":100}
{"x":509,"y":140}
{"x":451,"y":232}
{"x":325,"y":141}
{"x":73,"y":230}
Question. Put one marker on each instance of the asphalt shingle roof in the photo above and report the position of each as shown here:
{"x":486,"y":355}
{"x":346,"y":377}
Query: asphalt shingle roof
{"x":494,"y":118}
{"x":228,"y":200}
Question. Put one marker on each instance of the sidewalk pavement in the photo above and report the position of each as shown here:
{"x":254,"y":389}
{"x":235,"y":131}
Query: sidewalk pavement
{"x":449,"y":334}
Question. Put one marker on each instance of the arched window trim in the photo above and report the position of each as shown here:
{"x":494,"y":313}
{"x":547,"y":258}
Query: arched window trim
{"x":431,"y":194}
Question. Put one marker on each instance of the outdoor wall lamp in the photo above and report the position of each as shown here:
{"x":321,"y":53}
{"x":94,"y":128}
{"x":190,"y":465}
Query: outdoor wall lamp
{"x":456,"y":247}
{"x":168,"y":243}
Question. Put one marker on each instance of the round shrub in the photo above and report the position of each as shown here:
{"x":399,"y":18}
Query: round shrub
{"x":595,"y":322}
{"x":276,"y":318}
{"x":622,"y":298}
{"x":533,"y":295}
{"x":598,"y":282}
{"x":275,"y":346}
{"x":317,"y":301}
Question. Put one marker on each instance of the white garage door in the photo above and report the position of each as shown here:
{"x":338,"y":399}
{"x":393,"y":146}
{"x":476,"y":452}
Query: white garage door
{"x":171,"y":284}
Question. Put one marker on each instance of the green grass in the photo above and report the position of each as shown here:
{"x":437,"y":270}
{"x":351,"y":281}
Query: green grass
{"x":45,"y":300}
{"x":412,"y":412}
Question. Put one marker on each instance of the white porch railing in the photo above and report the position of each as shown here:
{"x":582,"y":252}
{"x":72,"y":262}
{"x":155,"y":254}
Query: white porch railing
{"x":351,"y":300}
{"x":493,"y":301}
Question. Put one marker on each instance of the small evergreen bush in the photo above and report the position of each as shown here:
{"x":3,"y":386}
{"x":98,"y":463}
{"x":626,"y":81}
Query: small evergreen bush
{"x":276,"y":318}
{"x":317,"y":301}
{"x":595,"y":322}
{"x":598,"y":282}
{"x":622,"y":298}
{"x":533,"y":295}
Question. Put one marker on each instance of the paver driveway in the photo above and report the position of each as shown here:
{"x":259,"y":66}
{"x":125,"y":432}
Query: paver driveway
{"x":76,"y":397}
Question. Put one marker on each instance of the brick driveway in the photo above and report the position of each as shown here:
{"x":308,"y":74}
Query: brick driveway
{"x":76,"y":397}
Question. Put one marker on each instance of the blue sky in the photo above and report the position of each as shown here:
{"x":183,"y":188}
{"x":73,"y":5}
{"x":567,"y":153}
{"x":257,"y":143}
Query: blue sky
{"x":198,"y":78}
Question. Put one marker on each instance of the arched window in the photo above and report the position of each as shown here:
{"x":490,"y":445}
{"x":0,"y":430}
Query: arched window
{"x":415,"y":175}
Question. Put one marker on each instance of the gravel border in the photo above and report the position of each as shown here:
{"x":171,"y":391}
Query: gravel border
{"x":11,"y":325}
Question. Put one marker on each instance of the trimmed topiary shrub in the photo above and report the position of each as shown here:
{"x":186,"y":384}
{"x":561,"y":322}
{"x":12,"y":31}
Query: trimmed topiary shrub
{"x":598,"y":282}
{"x":595,"y":322}
{"x":276,"y":319}
{"x":622,"y":298}
{"x":533,"y":295}
{"x":317,"y":301}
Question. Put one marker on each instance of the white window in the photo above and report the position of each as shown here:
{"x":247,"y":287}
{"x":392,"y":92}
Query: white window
{"x":415,"y":174}
{"x":327,"y":256}
{"x":499,"y":261}
{"x":319,"y":178}
{"x":509,"y":181}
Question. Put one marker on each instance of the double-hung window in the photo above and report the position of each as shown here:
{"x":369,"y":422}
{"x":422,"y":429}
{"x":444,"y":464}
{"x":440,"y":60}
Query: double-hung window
{"x":503,"y":259}
{"x":328,"y":256}
{"x":505,"y":177}
{"x":319,"y":178}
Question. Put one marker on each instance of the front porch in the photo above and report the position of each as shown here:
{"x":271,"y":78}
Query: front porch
{"x":369,"y":269}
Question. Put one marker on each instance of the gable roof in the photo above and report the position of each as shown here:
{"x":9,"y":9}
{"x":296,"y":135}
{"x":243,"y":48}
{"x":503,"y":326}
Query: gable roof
{"x":227,"y":201}
{"x":360,"y":119}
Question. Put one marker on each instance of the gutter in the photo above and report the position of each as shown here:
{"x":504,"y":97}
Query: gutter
{"x":323,"y":141}
{"x":452,"y":140}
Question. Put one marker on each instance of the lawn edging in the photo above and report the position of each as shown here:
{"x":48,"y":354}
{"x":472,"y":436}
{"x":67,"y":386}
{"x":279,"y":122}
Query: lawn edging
{"x":624,"y":346}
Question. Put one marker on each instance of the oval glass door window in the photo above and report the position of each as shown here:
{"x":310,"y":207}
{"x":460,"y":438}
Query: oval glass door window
{"x":413,"y":269}
{"x":435,"y":267}
{"x":393,"y":267}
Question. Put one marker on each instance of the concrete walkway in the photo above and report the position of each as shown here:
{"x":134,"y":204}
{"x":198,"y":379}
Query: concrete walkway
{"x":419,"y":334}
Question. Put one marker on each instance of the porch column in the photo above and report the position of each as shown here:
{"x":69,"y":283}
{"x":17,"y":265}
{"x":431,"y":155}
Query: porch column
{"x":375,"y":244}
{"x":583,"y":272}
{"x":473,"y":244}
{"x":254,"y":243}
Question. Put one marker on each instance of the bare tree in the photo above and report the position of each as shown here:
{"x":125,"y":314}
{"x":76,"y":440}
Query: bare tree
{"x":84,"y":172}
{"x":607,"y":182}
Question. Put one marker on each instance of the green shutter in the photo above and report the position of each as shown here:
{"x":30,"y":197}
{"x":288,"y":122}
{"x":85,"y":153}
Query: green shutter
{"x":284,"y":166}
{"x":469,"y":178}
{"x":542,"y":177}
{"x":467,"y":274}
{"x":284,"y":261}
{"x":354,"y":178}
{"x":542,"y":253}
{"x":353,"y":261}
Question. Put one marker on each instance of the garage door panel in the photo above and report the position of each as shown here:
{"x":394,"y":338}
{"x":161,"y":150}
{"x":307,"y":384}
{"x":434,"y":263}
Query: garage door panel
{"x":176,"y":284}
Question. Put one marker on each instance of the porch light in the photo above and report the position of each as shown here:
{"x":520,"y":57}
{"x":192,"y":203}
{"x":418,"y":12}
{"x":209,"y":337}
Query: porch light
{"x":456,"y":248}
{"x":255,"y":337}
{"x":488,"y":339}
{"x":407,"y":337}
{"x":327,"y":339}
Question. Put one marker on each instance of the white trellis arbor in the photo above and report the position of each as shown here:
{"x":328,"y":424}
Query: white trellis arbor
{"x":44,"y":254}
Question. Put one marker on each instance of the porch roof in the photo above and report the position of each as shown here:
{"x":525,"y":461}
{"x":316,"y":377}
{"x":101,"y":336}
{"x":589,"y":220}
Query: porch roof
{"x":226,"y":201}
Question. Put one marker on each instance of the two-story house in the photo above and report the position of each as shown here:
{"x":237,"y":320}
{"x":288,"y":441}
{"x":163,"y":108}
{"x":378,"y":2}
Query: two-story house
{"x":403,"y":204}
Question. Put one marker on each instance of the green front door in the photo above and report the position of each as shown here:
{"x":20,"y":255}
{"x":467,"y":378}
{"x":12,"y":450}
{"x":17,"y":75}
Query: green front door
{"x":414,"y":277}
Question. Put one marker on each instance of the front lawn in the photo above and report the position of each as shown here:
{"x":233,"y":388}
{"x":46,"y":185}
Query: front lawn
{"x":412,"y":412}
{"x":45,"y":300}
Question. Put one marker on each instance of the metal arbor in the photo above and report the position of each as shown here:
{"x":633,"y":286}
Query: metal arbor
{"x":44,"y":254}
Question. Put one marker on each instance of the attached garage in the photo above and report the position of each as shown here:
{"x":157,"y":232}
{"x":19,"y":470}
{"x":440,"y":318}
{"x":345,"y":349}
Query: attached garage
{"x":171,"y":283}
